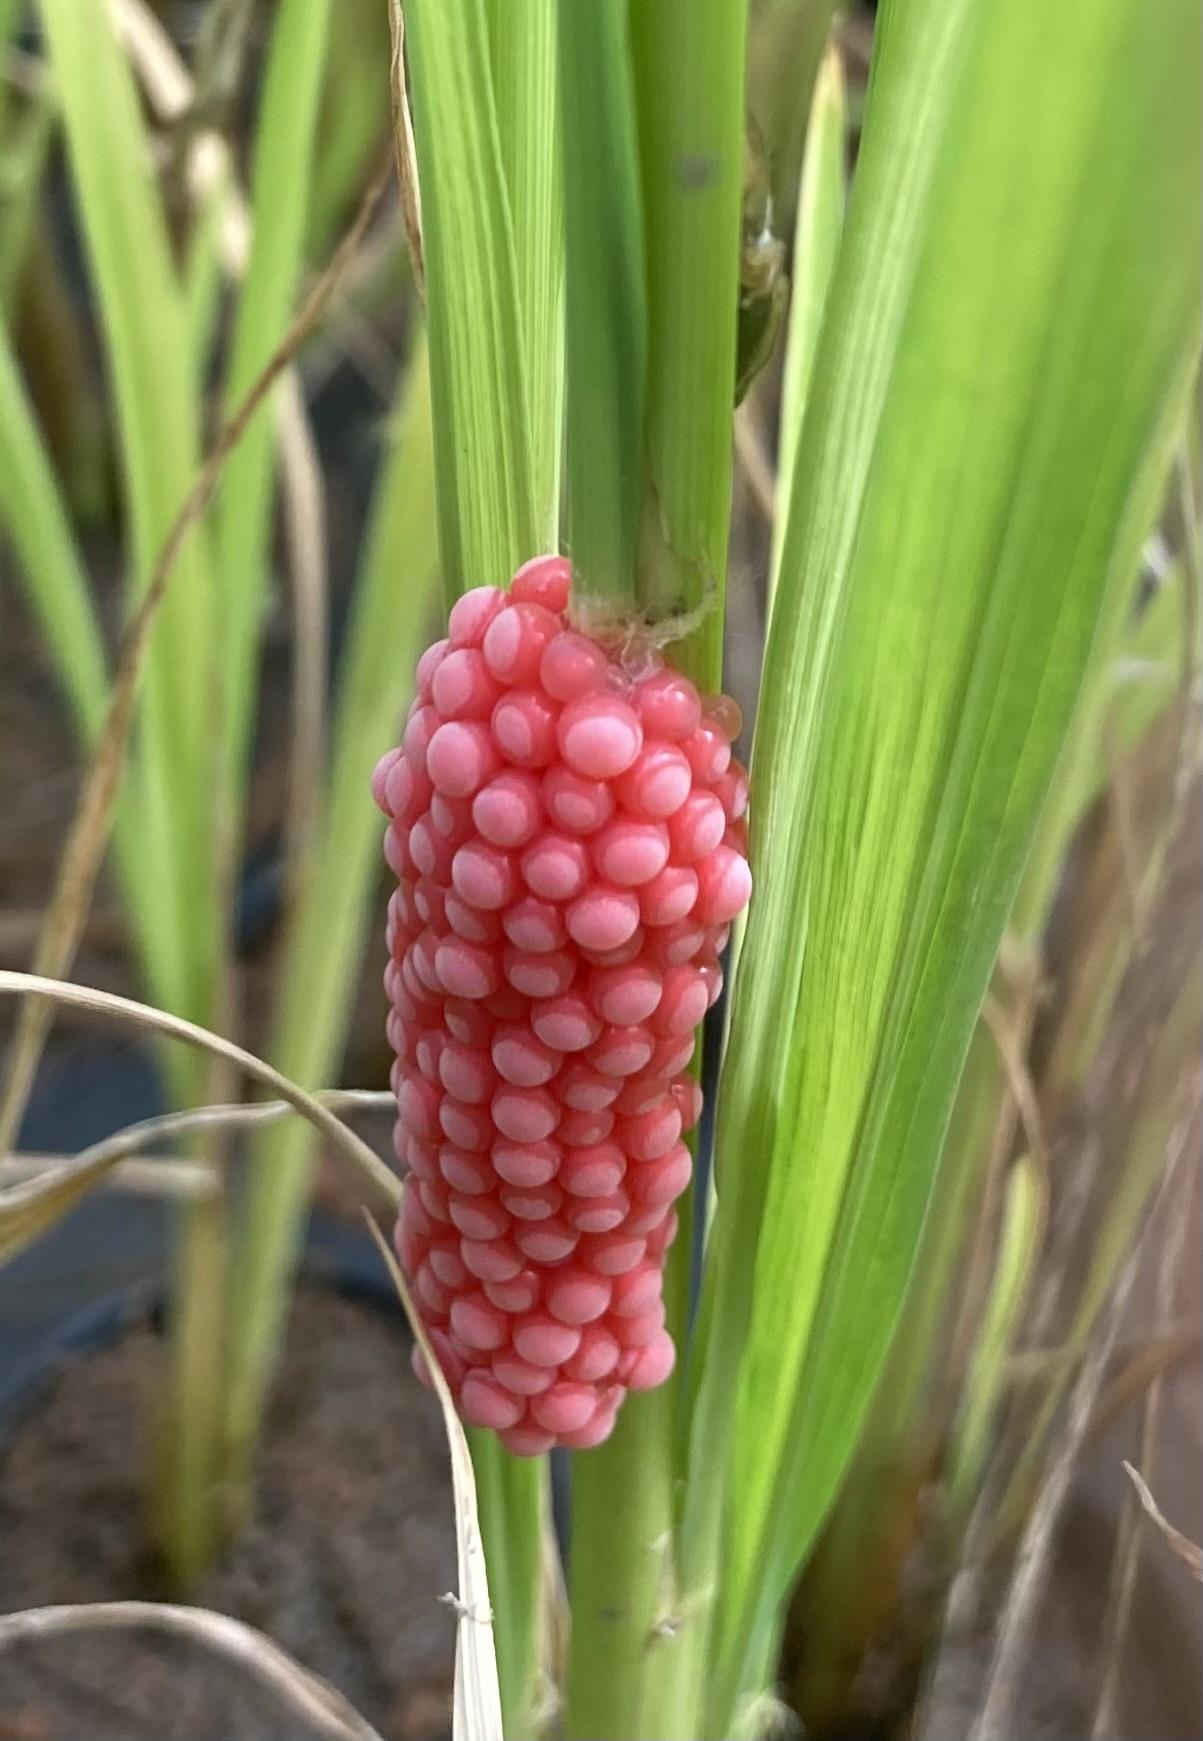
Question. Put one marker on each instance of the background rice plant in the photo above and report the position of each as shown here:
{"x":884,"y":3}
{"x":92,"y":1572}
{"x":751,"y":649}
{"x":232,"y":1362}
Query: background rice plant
{"x":979,"y":414}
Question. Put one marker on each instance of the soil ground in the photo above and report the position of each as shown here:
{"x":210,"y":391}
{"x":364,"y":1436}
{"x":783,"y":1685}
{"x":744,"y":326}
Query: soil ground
{"x":351,"y":1545}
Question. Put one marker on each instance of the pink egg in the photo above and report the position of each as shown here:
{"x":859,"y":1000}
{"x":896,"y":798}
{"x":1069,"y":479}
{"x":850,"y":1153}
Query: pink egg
{"x":525,"y":1114}
{"x":596,"y":1357}
{"x":486,"y":1404}
{"x":684,"y":1003}
{"x":596,"y":1171}
{"x":520,"y":1377}
{"x":467,"y":969}
{"x":724,"y":886}
{"x":650,"y":1134}
{"x":602,"y":917}
{"x":599,"y":736}
{"x":669,"y":898}
{"x":611,"y":1254}
{"x":668,"y":706}
{"x":522,"y":1058}
{"x":526,"y":1441}
{"x":574,"y":803}
{"x":477,"y":1322}
{"x":447,"y":1264}
{"x":420,"y":728}
{"x":521,"y":1294}
{"x":659,"y":1182}
{"x":579,"y":1130}
{"x":621,"y":1052}
{"x":538,"y":976}
{"x":474,"y":924}
{"x":595,"y":1431}
{"x":461,"y":756}
{"x":462,"y":686}
{"x":491,"y":1260}
{"x":566,"y":1023}
{"x":466,"y":1127}
{"x":523,"y":728}
{"x":508,"y":811}
{"x":708,"y":752}
{"x":697,"y":828}
{"x":465,"y":1171}
{"x":565,"y":1407}
{"x":526,"y":1164}
{"x":483,"y":875}
{"x":467,"y":1072}
{"x":585,"y":1089}
{"x":543,"y":580}
{"x":477,"y":1217}
{"x":536,"y":1203}
{"x":653,"y":1363}
{"x":427,"y":665}
{"x":635,"y":1292}
{"x":534,"y":926}
{"x":555,"y":867}
{"x":543,"y":1341}
{"x":547,"y":1242}
{"x":598,"y":1214}
{"x":629,"y":853}
{"x":574,"y":1296}
{"x":657,"y":783}
{"x":514,"y":641}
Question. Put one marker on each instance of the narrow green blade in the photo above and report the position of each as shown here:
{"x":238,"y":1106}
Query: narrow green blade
{"x":522,"y":39}
{"x":979,"y":410}
{"x":145,"y":333}
{"x":689,"y":82}
{"x":605,"y":305}
{"x":325,"y":942}
{"x":280,"y":182}
{"x":817,"y":231}
{"x":488,"y":517}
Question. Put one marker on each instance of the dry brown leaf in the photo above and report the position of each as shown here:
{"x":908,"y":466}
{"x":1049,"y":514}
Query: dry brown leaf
{"x":52,"y":991}
{"x":310,"y":1697}
{"x":476,"y":1713}
{"x":1189,"y":1552}
{"x":35,"y":1193}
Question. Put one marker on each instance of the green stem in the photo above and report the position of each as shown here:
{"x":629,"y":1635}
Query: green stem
{"x":514,"y":1499}
{"x":688,"y":58}
{"x":625,"y":1619}
{"x":185,"y":1493}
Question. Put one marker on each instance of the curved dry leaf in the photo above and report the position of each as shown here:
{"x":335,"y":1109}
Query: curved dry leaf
{"x":312,"y":1698}
{"x":53,"y":991}
{"x":1189,"y":1552}
{"x":31,"y":1203}
{"x":476,"y":1714}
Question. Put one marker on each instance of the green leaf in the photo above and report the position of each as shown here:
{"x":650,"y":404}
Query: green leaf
{"x":146,"y":340}
{"x":488,"y":517}
{"x":818,"y":227}
{"x":324,"y":945}
{"x":280,"y":182}
{"x":786,"y":46}
{"x":522,"y":38}
{"x":36,"y":520}
{"x":605,"y":304}
{"x":1025,"y":1207}
{"x":979,"y":409}
{"x":689,"y":83}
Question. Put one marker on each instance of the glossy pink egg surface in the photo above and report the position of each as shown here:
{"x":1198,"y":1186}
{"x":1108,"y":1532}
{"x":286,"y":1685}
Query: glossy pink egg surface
{"x":567,"y":831}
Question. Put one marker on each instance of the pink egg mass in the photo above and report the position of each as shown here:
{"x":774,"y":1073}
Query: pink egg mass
{"x":567,"y":831}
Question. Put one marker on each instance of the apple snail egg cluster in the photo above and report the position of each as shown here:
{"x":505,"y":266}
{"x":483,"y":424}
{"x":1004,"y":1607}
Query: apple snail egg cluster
{"x":566,"y":826}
